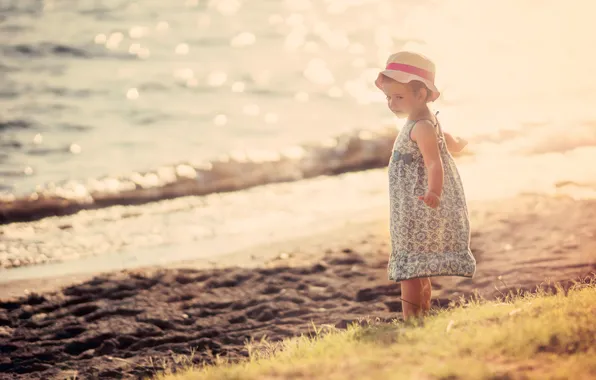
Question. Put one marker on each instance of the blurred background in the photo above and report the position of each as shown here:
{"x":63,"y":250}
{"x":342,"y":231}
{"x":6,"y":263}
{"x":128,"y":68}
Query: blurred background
{"x":127,"y":100}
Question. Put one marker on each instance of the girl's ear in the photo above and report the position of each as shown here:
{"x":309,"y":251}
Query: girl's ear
{"x":423,"y":94}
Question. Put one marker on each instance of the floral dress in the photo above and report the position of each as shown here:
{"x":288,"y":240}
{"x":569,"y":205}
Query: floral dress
{"x":426,"y":242}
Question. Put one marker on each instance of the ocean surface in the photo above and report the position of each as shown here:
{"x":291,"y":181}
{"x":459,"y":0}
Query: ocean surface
{"x":156,"y":120}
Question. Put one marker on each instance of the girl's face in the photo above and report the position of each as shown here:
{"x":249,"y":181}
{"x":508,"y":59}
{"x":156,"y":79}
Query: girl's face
{"x":401,"y":99}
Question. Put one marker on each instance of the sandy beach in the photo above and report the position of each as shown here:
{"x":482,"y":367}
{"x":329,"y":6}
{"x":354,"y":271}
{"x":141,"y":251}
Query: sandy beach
{"x":131,"y":323}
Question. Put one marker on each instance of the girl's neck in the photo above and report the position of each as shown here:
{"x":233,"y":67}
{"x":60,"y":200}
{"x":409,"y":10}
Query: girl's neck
{"x":421,"y":113}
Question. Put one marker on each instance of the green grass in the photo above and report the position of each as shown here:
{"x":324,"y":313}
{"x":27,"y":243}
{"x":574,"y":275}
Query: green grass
{"x":545,"y":335}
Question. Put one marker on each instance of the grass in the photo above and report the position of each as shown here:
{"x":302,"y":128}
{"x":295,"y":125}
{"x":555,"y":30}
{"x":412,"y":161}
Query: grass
{"x":543,"y":335}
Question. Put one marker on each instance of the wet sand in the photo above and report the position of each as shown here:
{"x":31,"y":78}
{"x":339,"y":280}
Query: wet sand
{"x":127,"y":324}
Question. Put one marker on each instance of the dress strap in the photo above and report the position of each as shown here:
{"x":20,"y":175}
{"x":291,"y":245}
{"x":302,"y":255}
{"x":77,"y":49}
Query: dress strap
{"x":438,"y":125}
{"x":441,"y":135}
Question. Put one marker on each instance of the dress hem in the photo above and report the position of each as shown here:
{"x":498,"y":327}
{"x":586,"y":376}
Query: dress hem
{"x":431,"y":275}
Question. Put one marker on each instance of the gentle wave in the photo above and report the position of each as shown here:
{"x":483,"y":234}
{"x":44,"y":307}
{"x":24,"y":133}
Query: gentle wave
{"x":15,"y":124}
{"x":45,"y":49}
{"x":564,"y":139}
{"x":359,"y":150}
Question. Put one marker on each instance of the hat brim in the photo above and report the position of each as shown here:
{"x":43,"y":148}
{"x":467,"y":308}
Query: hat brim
{"x":402,"y":77}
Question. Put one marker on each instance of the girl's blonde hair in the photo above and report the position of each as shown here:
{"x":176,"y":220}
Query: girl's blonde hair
{"x":414,"y":85}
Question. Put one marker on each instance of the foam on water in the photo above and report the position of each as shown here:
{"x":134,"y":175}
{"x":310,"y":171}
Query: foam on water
{"x":235,"y":171}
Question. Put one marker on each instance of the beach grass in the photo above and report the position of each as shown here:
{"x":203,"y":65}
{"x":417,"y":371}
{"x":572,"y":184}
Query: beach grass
{"x":547,"y":334}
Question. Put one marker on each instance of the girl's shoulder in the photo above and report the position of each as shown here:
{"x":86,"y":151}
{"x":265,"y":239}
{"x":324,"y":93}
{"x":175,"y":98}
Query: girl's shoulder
{"x":415,"y":127}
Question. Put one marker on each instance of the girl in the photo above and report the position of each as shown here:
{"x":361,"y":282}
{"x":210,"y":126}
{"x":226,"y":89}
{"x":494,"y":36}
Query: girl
{"x":430,"y":230}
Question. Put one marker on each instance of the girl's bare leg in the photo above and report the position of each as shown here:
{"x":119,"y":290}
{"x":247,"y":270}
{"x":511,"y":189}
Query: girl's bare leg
{"x":415,"y":295}
{"x":410,"y":297}
{"x":426,"y":294}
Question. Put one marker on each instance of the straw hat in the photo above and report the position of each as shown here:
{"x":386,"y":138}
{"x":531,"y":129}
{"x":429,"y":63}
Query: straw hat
{"x":406,"y":66}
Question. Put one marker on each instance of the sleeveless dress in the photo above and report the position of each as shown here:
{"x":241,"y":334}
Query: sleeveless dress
{"x":426,"y":242}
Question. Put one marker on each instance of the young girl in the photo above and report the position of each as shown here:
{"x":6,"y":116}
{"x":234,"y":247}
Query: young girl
{"x":430,"y":230}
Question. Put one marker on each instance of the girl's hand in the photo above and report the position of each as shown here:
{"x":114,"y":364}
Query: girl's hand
{"x":454,"y":145}
{"x":431,"y":199}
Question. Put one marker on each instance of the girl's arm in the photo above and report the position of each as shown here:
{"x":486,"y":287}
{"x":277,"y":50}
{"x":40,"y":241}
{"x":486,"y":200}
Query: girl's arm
{"x":454,"y":144}
{"x":425,"y":136}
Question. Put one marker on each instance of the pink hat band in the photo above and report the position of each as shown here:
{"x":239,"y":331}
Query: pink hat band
{"x":411,"y":70}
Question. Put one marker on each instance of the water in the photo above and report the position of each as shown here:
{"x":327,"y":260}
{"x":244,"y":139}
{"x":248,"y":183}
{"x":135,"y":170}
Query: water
{"x":134,"y":86}
{"x":115,"y":103}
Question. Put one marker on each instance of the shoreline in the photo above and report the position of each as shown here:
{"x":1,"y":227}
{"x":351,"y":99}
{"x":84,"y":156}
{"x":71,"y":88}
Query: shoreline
{"x":298,"y":249}
{"x":486,"y":217}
